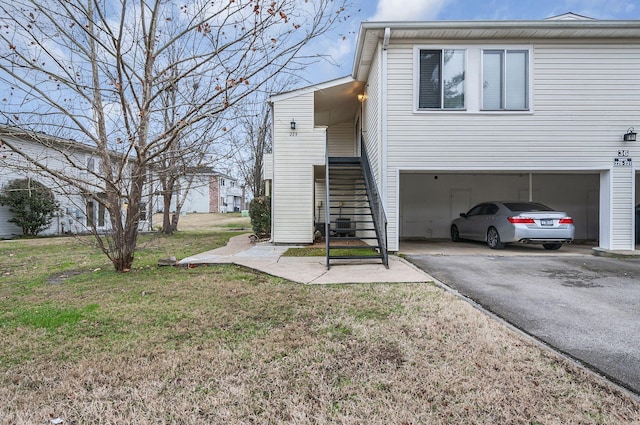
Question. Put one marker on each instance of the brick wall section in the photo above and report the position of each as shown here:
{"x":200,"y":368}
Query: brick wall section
{"x":214,"y":194}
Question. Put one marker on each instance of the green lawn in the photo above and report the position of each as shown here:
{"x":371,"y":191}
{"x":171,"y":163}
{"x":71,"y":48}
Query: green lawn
{"x":225,"y":344}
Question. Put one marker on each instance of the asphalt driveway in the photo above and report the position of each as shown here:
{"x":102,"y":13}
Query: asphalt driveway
{"x":585,"y":306}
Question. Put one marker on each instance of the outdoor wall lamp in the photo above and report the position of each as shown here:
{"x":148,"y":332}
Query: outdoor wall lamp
{"x":630,"y":135}
{"x":293,"y":124}
{"x":362,"y":97}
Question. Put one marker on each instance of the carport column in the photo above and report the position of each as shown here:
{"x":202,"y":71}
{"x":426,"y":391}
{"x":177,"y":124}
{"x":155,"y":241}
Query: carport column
{"x":617,"y":208}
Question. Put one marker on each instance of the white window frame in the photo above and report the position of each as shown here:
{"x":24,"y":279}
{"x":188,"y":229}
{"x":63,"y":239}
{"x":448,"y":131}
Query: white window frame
{"x":416,"y":79}
{"x":528,"y":85}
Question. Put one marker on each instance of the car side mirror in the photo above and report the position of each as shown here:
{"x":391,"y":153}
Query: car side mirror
{"x":463,"y":215}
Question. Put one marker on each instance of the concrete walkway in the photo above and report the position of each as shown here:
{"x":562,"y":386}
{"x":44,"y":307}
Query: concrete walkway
{"x":268,"y":258}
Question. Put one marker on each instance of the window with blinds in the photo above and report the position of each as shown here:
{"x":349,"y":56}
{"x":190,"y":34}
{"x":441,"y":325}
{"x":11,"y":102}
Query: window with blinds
{"x":505,"y":80}
{"x":442,"y":77}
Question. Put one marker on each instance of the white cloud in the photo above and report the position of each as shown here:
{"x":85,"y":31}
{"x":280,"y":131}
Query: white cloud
{"x":408,"y":10}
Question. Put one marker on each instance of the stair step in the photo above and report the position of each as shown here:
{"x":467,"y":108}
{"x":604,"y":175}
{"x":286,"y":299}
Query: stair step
{"x":355,"y":257}
{"x":344,"y":159}
{"x":357,"y":215}
{"x":353,"y":238}
{"x":372,"y":247}
{"x":354,"y":221}
{"x":351,"y":229}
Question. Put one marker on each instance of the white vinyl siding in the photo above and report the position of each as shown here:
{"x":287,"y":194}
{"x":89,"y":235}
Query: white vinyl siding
{"x":585,"y":97}
{"x":267,"y":166}
{"x":342,"y":140}
{"x":294,"y":157}
{"x":373,"y":119}
{"x":7,"y":229}
{"x":622,"y":208}
{"x":13,"y":166}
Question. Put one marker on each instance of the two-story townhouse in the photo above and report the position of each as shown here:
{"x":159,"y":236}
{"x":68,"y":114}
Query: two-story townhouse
{"x":448,"y":114}
{"x":79,"y":211}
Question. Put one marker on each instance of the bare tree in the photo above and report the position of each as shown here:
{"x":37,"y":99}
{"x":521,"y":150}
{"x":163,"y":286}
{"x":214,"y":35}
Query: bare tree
{"x":252,"y":141}
{"x":97,"y":71}
{"x":195,"y":147}
{"x":252,"y":138}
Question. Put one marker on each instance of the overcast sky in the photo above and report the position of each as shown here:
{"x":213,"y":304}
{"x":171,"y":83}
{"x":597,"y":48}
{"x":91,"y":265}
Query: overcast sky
{"x":340,"y":44}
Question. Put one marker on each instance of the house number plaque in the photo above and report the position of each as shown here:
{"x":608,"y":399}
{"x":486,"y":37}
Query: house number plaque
{"x":623,"y":159}
{"x":622,"y":162}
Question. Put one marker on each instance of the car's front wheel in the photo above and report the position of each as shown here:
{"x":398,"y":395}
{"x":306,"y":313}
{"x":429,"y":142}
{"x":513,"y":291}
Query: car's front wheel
{"x":493,"y":239}
{"x":455,"y":234}
{"x":551,"y":246}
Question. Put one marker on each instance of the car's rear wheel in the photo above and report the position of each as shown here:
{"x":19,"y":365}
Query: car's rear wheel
{"x":455,"y":234}
{"x":551,"y":246}
{"x":493,"y":239}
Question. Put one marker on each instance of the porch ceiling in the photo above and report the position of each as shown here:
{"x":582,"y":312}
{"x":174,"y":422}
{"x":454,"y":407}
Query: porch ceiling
{"x":337,"y":104}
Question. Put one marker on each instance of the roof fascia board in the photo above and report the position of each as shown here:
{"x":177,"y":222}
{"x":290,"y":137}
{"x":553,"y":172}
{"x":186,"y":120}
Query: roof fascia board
{"x":311,"y":89}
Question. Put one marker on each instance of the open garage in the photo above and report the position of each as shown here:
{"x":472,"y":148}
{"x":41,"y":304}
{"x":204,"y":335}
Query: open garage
{"x":430,"y":200}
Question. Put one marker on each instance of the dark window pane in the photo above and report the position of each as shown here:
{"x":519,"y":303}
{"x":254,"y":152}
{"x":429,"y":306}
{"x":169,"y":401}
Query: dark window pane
{"x":430,"y":77}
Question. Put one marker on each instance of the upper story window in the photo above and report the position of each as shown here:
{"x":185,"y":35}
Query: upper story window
{"x":505,"y":80}
{"x":441,"y":79}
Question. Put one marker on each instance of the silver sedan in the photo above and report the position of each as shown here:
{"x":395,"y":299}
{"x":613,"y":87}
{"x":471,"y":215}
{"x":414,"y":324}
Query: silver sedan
{"x":499,"y":223}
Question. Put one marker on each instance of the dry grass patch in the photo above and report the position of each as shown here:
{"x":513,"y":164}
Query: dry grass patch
{"x":209,"y":221}
{"x":228,"y":345}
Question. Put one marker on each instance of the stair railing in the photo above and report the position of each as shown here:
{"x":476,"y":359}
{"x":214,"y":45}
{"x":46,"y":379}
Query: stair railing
{"x":327,"y":201}
{"x":375,"y":200}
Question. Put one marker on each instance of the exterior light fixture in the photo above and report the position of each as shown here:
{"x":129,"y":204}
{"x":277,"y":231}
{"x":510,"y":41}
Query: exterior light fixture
{"x":362,"y":97}
{"x":293,"y":124}
{"x":630,"y":135}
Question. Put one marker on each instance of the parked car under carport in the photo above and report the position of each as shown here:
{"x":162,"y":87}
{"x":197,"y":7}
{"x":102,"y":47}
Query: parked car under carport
{"x":500,"y":223}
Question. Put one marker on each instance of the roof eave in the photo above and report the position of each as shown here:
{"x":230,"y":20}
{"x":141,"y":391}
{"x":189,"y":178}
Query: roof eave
{"x":545,"y":29}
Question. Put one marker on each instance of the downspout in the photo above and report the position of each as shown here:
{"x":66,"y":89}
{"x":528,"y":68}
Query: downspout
{"x":273,"y":161}
{"x":384,"y":127}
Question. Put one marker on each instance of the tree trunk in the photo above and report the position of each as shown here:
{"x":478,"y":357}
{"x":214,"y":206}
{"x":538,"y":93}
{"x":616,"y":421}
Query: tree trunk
{"x":166,"y":214}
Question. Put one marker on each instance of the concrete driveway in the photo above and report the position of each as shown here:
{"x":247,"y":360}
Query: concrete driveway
{"x":585,"y":306}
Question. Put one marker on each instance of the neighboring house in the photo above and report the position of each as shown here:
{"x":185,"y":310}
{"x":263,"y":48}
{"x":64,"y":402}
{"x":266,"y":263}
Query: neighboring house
{"x":78,"y":212}
{"x":209,"y":191}
{"x":454,"y":113}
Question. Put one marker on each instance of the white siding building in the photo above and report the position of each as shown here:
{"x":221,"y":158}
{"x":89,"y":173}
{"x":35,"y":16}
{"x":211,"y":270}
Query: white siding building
{"x":455,"y":113}
{"x":78,"y":212}
{"x":207,"y":191}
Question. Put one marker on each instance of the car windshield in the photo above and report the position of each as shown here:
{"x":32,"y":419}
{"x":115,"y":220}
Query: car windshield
{"x":526,"y":206}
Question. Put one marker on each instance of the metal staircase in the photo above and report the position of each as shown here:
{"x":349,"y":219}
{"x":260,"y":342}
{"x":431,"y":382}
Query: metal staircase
{"x":355,"y":221}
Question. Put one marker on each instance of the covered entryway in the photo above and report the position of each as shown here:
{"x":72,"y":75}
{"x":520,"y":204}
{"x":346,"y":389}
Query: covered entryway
{"x":430,"y":200}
